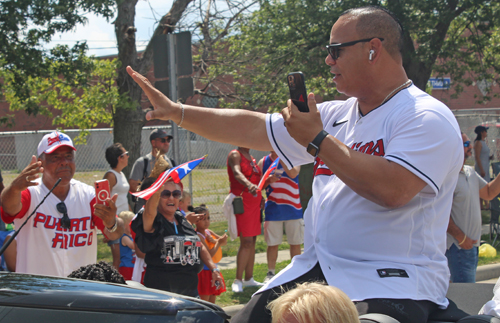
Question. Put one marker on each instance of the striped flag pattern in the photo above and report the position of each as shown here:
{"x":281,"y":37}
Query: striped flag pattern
{"x":177,"y":173}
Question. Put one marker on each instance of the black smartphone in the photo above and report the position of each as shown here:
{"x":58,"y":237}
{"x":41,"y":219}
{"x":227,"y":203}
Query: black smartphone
{"x":298,"y":94}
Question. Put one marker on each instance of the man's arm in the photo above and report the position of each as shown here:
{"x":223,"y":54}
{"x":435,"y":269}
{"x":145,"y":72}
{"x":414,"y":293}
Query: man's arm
{"x":11,"y":196}
{"x":463,"y":241}
{"x":233,"y":126}
{"x":490,"y":190}
{"x":372,"y":177}
{"x":107,"y":213}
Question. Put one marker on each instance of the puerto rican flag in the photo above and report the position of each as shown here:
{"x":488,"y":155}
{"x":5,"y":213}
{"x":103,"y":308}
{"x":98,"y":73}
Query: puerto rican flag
{"x":177,"y":173}
{"x":268,"y":173}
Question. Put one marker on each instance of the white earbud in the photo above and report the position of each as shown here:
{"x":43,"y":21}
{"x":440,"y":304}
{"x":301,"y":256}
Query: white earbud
{"x":371,"y":54}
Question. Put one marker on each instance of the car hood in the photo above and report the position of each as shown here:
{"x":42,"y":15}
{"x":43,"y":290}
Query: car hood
{"x":35,"y":291}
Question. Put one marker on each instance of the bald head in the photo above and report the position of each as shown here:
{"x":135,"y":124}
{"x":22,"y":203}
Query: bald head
{"x":378,"y":22}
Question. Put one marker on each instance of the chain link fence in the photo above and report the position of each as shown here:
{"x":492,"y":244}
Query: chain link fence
{"x":208,"y":183}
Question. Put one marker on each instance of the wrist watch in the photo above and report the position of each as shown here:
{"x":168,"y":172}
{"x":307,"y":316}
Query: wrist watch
{"x":313,"y":147}
{"x":216,"y":270}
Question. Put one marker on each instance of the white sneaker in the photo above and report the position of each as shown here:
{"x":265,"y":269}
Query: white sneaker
{"x":269,"y":276}
{"x":251,"y":282}
{"x":237,"y":286}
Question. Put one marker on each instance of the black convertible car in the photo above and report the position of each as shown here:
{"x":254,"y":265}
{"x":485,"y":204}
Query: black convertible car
{"x":32,"y":298}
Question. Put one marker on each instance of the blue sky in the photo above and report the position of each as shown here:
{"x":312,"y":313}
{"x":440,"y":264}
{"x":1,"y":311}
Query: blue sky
{"x":100,"y":34}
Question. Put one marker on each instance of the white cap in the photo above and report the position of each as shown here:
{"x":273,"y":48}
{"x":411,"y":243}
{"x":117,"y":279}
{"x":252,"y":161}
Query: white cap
{"x":52,"y":141}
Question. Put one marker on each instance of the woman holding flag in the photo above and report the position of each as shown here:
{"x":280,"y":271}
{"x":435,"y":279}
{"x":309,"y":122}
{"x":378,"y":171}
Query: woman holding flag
{"x":172,"y":247}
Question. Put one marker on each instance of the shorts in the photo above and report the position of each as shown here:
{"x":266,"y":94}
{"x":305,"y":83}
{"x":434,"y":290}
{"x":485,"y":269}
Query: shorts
{"x":126,"y":272}
{"x":248,"y":223}
{"x":273,"y":232}
{"x":205,"y":284}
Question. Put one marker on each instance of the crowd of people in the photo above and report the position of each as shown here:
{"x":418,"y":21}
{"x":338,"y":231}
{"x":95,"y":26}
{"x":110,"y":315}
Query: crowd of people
{"x":385,"y":225}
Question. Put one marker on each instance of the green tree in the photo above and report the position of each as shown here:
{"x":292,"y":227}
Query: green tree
{"x":450,"y":37}
{"x":37,"y":80}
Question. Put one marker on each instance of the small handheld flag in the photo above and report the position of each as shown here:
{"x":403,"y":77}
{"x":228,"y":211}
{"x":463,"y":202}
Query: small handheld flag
{"x":177,"y":173}
{"x":268,"y":173}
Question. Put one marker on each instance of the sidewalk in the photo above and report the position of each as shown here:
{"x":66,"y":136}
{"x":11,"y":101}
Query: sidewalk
{"x":260,"y":258}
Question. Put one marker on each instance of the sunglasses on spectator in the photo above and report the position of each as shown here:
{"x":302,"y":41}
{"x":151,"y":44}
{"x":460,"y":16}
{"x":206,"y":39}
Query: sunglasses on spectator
{"x":164,"y":140}
{"x":333,"y":49}
{"x":466,"y":144}
{"x":125,"y":153}
{"x":166,"y":194}
{"x":65,"y":221}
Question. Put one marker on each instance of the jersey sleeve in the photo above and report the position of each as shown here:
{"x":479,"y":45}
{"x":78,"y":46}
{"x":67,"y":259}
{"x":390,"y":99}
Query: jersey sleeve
{"x":25,"y":201}
{"x":428,"y":144}
{"x":290,"y":152}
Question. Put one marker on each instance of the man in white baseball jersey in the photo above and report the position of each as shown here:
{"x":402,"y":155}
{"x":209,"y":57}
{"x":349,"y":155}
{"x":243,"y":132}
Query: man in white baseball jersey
{"x":386,"y":165}
{"x":61,"y":236}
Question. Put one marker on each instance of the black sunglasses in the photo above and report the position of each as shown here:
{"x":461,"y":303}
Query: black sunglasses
{"x":333,"y":49}
{"x":65,"y":221}
{"x":164,"y":140}
{"x":166,"y":194}
{"x":466,"y":144}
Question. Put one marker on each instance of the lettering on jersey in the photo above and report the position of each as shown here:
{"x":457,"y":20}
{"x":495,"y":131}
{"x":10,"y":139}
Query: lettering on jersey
{"x":76,"y":236}
{"x":370,"y":148}
{"x":320,"y":168}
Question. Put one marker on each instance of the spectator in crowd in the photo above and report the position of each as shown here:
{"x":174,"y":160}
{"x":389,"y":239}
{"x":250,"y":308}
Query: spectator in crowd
{"x":483,"y":157}
{"x":102,"y":271}
{"x":313,"y":303}
{"x":161,"y":164}
{"x":386,"y":165}
{"x":214,"y":243}
{"x":10,"y":254}
{"x":464,"y":228}
{"x":282,"y":210}
{"x":127,"y":247}
{"x":159,"y":231}
{"x":62,"y":235}
{"x":185,"y":203}
{"x":160,"y":143}
{"x":117,"y":158}
{"x":244,"y":176}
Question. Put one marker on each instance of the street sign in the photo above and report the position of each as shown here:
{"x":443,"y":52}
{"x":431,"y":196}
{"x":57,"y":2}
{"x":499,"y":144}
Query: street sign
{"x":442,"y":83}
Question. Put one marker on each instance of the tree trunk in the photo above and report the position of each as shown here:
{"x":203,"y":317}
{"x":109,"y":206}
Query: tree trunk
{"x":128,"y":122}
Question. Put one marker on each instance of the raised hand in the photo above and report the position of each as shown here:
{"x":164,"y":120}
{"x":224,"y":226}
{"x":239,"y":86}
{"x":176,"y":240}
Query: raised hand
{"x":164,"y":108}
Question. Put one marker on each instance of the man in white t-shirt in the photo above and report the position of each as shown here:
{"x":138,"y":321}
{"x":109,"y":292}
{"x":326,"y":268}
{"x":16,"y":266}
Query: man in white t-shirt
{"x":386,"y":163}
{"x":62,"y":235}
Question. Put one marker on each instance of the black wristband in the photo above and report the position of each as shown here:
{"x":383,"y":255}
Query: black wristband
{"x":313,"y":147}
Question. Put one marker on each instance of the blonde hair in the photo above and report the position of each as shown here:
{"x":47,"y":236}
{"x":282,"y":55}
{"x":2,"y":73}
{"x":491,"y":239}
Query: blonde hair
{"x":314,"y":303}
{"x":126,"y":216}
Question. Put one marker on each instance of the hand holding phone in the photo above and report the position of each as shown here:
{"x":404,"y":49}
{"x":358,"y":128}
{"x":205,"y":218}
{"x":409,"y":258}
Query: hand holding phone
{"x":102,"y":191}
{"x":298,"y":94}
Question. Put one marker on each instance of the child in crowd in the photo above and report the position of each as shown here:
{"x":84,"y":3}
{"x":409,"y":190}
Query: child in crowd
{"x":213,"y":243}
{"x":127,"y":247}
{"x":313,"y":302}
{"x":185,"y":203}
